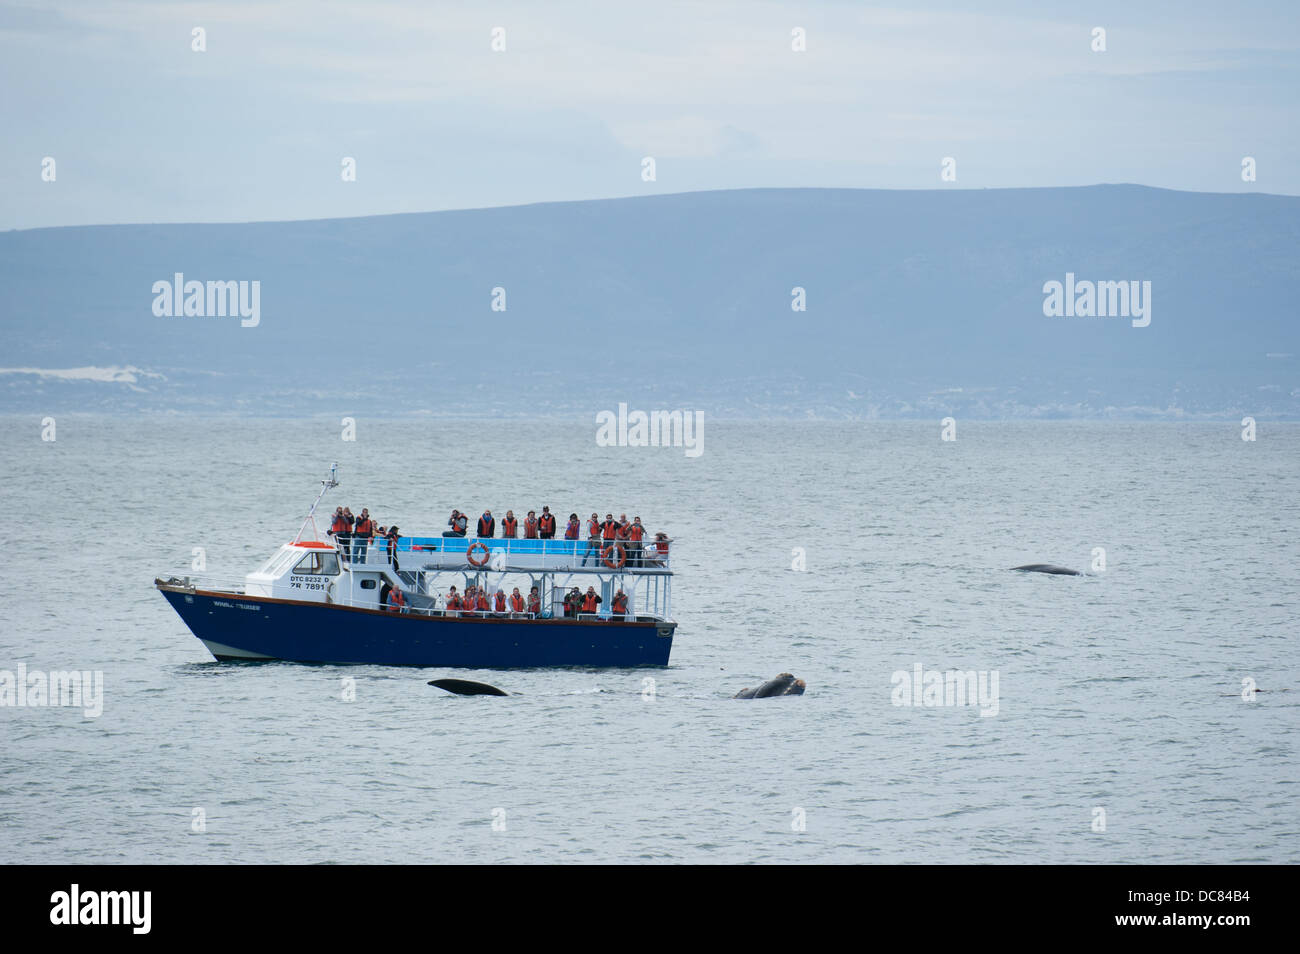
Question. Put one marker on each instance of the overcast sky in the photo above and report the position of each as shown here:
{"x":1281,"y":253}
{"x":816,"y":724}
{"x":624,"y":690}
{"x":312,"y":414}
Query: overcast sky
{"x":144,"y":129}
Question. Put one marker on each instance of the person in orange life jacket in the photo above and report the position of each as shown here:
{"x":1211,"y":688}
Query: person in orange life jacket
{"x":619,"y":606}
{"x":362,"y":531}
{"x":487,"y":525}
{"x":591,"y":600}
{"x":453,"y":601}
{"x":396,"y":601}
{"x":516,"y":603}
{"x":572,"y":600}
{"x":501,"y":602}
{"x":623,"y":526}
{"x":339,"y":529}
{"x":609,"y":535}
{"x":468,"y":603}
{"x":348,"y":522}
{"x":509,"y":526}
{"x":481,"y":601}
{"x":530,"y":526}
{"x":635,"y":534}
{"x":574,"y":528}
{"x":458,"y":522}
{"x":546,"y":524}
{"x":593,"y":539}
{"x":534,"y":602}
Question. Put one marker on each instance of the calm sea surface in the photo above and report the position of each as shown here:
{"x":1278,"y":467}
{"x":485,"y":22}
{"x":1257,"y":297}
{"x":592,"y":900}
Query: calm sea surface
{"x":1119,"y":693}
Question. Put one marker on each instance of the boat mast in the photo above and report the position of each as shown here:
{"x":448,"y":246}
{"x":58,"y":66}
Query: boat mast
{"x":331,"y":482}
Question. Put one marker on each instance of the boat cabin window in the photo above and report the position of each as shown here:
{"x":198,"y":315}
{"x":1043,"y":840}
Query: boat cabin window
{"x":367,"y":584}
{"x":319,"y":564}
{"x":279,"y":562}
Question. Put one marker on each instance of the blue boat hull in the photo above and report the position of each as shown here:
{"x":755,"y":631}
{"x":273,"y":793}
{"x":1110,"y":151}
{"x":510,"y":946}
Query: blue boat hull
{"x":238,"y":627}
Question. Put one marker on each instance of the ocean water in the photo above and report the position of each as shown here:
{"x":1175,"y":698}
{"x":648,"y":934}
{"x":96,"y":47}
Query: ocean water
{"x":1120,"y":693}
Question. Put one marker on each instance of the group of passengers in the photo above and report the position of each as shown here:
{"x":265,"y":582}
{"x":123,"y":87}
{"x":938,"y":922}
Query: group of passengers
{"x":576,"y":603}
{"x":353,"y":535}
{"x":618,"y":542}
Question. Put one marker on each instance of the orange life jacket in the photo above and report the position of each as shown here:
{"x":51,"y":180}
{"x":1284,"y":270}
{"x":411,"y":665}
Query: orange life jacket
{"x":396,"y":598}
{"x":501,"y":602}
{"x":593,"y":528}
{"x":534,"y":604}
{"x":482,"y":603}
{"x":620,"y":603}
{"x":635,"y":532}
{"x":365,"y":527}
{"x":589,"y":602}
{"x":622,"y":530}
{"x":509,"y":527}
{"x":339,"y":525}
{"x":546,"y":523}
{"x":610,"y":529}
{"x":530,"y":528}
{"x":453,"y":602}
{"x":516,"y":603}
{"x":572,"y":530}
{"x":486,"y":526}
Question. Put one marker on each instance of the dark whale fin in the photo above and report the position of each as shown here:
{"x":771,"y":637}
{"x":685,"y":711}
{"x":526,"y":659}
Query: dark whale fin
{"x":463,"y":687}
{"x":1047,"y":568}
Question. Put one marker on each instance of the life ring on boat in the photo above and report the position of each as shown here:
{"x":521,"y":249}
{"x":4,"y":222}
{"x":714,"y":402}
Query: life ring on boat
{"x":618,"y":561}
{"x":478,"y":545}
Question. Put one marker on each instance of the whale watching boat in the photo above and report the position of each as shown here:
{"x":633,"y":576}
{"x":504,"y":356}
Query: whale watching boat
{"x":327,"y":601}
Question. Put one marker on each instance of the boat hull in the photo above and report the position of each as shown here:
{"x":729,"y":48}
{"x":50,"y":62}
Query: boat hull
{"x":238,"y":627}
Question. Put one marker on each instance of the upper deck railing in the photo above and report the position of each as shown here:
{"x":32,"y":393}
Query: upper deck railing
{"x":504,"y":554}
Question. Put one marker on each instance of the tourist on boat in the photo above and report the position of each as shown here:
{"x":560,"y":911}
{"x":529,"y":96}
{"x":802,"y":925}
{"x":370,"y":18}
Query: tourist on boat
{"x":516,"y":603}
{"x":572,"y":603}
{"x":574,"y":528}
{"x":591,"y":600}
{"x":467,"y":601}
{"x":635,"y":534}
{"x":340,"y":528}
{"x":487,"y":525}
{"x":362,"y":531}
{"x":609,"y":530}
{"x":658,"y":550}
{"x":501,"y":602}
{"x":510,"y":526}
{"x":546,"y":524}
{"x":459,"y":524}
{"x":593,"y":539}
{"x":452,"y":603}
{"x":619,"y":606}
{"x":530,"y":525}
{"x":481,"y":601}
{"x":391,"y":536}
{"x":396,"y":601}
{"x":534,"y":602}
{"x":348,"y":521}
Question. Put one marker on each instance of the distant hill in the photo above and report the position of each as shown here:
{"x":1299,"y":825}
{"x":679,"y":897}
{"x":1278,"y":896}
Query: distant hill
{"x":919,"y":303}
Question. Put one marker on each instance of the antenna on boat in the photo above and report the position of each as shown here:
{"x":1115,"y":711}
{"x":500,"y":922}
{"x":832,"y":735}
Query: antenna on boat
{"x":327,"y":484}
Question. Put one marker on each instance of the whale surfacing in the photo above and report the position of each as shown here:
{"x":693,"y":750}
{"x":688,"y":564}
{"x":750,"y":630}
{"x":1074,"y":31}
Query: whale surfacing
{"x":1047,"y":568}
{"x":783,"y":685}
{"x":464,"y":687}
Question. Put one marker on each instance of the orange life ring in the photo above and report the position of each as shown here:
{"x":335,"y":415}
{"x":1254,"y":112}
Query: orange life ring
{"x":621,"y":559}
{"x":469,"y":554}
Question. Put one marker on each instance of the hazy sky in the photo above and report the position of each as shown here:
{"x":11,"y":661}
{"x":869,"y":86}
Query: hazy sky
{"x":142,"y":128}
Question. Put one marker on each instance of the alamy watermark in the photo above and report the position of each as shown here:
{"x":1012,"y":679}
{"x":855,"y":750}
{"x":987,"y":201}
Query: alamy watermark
{"x":653,"y":429}
{"x":1087,"y":299}
{"x":194,"y":299}
{"x":79,"y":689}
{"x":932,"y":688}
